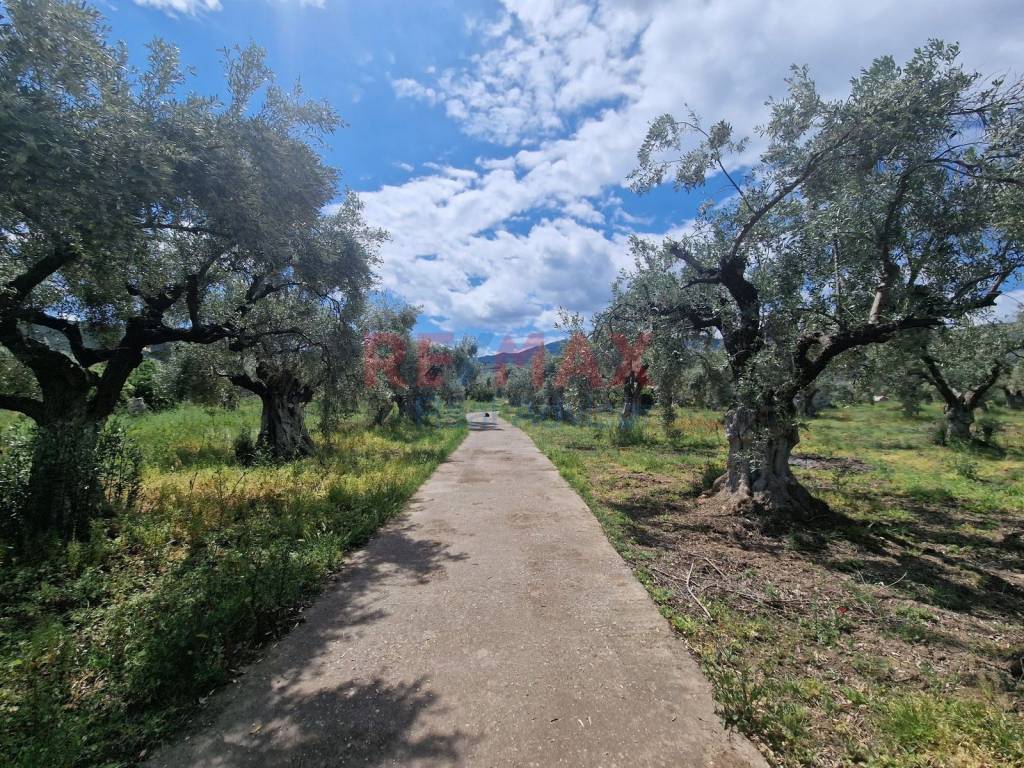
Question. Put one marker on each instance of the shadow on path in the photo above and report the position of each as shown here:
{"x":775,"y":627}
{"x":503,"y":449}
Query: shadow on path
{"x":305,"y":703}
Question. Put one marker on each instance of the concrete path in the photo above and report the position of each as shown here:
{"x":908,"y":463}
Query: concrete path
{"x":491,"y":625}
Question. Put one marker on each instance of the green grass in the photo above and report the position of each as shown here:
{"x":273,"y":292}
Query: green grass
{"x":890,"y":638}
{"x":109,"y":644}
{"x":8,"y":419}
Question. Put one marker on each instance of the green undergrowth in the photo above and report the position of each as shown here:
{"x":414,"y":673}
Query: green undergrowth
{"x":108,"y":644}
{"x":891,"y":636}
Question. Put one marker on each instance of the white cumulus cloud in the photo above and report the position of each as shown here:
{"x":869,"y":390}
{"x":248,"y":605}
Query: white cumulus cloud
{"x":195,"y":7}
{"x":564,"y":91}
{"x":190,"y":7}
{"x":1009,"y":305}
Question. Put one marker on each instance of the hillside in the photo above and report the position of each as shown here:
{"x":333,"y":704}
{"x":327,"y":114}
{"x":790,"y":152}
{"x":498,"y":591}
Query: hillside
{"x":522,"y":357}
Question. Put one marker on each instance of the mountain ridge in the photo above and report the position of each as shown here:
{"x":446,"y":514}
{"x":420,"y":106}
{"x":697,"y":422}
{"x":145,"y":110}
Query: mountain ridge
{"x":522,"y":357}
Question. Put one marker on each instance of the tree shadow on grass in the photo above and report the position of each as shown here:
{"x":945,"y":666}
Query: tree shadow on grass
{"x":925,"y":558}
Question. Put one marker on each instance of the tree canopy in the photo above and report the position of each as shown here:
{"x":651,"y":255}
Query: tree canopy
{"x":137,"y":213}
{"x":894,"y":208}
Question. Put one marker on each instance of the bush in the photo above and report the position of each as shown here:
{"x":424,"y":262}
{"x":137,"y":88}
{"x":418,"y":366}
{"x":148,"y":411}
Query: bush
{"x":709,"y":474}
{"x":988,"y":427}
{"x":629,"y":432}
{"x":15,"y":469}
{"x":481,"y":391}
{"x":150,"y":383}
{"x":965,"y":467}
{"x":246,"y":450}
{"x":83,"y":475}
{"x":118,"y":467}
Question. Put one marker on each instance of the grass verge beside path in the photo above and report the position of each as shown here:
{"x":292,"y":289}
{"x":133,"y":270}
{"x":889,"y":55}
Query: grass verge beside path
{"x":893,"y":639}
{"x":109,"y":645}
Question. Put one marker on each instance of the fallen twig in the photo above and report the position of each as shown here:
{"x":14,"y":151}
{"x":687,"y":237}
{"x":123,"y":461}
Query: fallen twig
{"x":720,"y":571}
{"x":695,"y":598}
{"x":894,"y":583}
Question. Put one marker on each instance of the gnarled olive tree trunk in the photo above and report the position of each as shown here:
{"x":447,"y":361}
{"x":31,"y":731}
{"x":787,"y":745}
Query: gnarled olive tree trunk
{"x":758,"y":480}
{"x":64,"y":490}
{"x":959,"y":420}
{"x":632,"y":389}
{"x":806,"y":402}
{"x":74,"y":403}
{"x":1014,"y":398}
{"x":666,"y":399}
{"x":960,"y":406}
{"x":283,"y":422}
{"x":283,"y":432}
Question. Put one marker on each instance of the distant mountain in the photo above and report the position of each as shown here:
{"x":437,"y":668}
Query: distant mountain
{"x":522,"y":357}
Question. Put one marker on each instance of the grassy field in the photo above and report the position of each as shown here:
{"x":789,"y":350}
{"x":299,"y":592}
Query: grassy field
{"x":108,"y":645}
{"x":894,"y":637}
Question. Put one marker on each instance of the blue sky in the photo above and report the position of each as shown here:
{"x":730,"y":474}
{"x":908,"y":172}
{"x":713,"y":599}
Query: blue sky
{"x":491,"y":138}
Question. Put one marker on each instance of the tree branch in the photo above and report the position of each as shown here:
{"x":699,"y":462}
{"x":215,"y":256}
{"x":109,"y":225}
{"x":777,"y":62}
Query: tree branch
{"x":27,"y":405}
{"x":245,"y":381}
{"x":86,"y":356}
{"x":937,"y":380}
{"x":22,"y":285}
{"x":835,"y":344}
{"x":977,"y":394}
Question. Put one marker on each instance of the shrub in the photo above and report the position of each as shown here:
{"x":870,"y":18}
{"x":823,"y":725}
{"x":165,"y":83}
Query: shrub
{"x":94,"y":475}
{"x":482,"y":391}
{"x":709,"y":474}
{"x":965,"y":467}
{"x":150,"y":383}
{"x":118,"y":466}
{"x":629,"y":432}
{"x":246,"y":451}
{"x":989,"y":426}
{"x":15,"y":469}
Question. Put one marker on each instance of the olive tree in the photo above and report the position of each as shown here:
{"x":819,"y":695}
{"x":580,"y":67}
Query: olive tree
{"x":620,"y":344}
{"x":1013,"y":390}
{"x":400,"y":372}
{"x":681,"y":362}
{"x":518,"y":387}
{"x":1013,"y":384}
{"x":461,"y":372}
{"x":578,"y":375}
{"x":305,"y":335}
{"x":963,"y":364}
{"x":894,"y":208}
{"x":129,"y":210}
